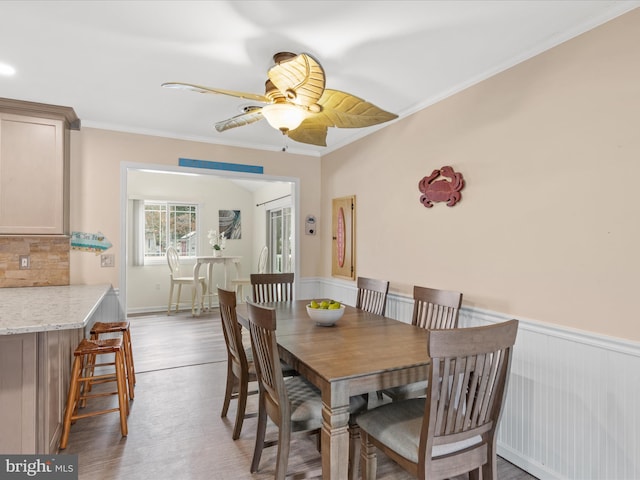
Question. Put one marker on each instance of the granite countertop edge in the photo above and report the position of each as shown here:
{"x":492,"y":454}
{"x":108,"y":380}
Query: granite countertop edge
{"x":41,"y":309}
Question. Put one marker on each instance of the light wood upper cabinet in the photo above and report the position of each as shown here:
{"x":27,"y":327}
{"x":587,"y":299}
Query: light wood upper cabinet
{"x":34,"y":167}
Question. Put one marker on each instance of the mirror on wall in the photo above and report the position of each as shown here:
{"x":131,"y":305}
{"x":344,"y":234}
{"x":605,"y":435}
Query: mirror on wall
{"x":179,"y":206}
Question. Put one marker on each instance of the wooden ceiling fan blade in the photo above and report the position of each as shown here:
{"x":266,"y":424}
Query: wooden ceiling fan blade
{"x":300,"y":79}
{"x":310,"y":132}
{"x":252,"y":116}
{"x":201,"y":89}
{"x":343,"y":110}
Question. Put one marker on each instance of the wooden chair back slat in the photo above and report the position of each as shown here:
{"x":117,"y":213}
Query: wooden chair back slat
{"x":372,"y":295}
{"x":435,"y":309}
{"x":272,"y":287}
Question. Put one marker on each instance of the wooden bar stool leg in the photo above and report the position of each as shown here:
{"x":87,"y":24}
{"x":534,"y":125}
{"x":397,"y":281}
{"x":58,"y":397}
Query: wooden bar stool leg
{"x":128,"y":354}
{"x":72,"y":401}
{"x":122,"y":393}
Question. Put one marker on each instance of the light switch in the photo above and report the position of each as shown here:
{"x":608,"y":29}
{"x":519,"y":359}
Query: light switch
{"x":25,"y":262}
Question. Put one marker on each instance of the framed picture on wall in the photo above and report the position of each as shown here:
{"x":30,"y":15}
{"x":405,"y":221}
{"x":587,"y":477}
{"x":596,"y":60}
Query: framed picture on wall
{"x":343,"y":258}
{"x":230,"y":224}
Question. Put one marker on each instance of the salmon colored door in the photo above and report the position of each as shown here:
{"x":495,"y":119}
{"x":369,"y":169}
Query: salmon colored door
{"x":343,"y":259}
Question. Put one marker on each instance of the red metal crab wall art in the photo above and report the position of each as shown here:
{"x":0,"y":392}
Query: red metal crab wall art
{"x":441,"y":190}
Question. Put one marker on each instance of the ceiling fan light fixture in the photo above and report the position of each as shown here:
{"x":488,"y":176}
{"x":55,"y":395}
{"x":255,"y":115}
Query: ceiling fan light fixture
{"x":283,"y":116}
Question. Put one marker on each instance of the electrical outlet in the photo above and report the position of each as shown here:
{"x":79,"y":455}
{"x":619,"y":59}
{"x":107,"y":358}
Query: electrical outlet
{"x":107,"y":260}
{"x":25,"y":262}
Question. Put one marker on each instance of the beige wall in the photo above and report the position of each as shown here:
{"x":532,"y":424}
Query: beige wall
{"x":95,"y":186}
{"x":548,"y":226}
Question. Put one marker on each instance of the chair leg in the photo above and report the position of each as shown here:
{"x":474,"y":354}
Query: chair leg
{"x":260,"y":432}
{"x":490,"y":469}
{"x":170,"y":298}
{"x":228,"y":393}
{"x":368,"y":461}
{"x":284,"y":441}
{"x":193,"y":301}
{"x":178,"y":300}
{"x":243,"y":389}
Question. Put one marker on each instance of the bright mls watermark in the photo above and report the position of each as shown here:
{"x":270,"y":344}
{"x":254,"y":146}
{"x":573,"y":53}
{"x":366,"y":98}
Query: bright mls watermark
{"x":50,"y":467}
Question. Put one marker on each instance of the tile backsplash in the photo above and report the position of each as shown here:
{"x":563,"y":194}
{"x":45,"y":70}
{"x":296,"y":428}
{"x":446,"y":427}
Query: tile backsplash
{"x":48,"y":257}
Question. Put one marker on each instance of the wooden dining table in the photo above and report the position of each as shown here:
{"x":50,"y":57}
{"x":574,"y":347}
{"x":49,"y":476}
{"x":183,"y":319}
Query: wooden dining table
{"x":361,"y":353}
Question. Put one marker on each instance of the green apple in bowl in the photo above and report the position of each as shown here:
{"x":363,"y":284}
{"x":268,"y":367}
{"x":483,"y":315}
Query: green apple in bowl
{"x":325,"y":313}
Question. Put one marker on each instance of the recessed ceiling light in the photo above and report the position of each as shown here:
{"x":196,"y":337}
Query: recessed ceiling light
{"x":6,"y":69}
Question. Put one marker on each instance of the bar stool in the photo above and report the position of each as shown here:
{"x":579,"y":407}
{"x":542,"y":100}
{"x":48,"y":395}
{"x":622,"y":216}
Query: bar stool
{"x":84,"y":360}
{"x":102,"y":328}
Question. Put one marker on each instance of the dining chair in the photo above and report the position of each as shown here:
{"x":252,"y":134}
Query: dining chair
{"x":372,"y":295}
{"x":240,"y":283}
{"x":435,"y":309}
{"x":272,"y":287}
{"x":294,"y":405}
{"x":453,"y":430}
{"x":432,"y":309}
{"x":174,"y":274}
{"x":240,"y":366}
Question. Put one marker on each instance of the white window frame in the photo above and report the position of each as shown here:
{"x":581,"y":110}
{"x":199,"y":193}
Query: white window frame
{"x":289,"y":264}
{"x":140,"y":237}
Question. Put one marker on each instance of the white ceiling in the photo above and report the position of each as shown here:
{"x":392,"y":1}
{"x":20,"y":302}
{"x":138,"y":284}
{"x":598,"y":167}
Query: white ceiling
{"x":107,"y":59}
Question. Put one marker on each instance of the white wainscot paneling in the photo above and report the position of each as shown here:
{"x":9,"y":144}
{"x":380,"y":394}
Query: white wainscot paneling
{"x":571,"y":409}
{"x":108,"y":310}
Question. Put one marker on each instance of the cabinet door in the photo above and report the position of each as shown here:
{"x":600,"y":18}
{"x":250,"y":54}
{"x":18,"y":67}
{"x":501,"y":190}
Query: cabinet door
{"x":31,"y":175}
{"x":343,"y":257}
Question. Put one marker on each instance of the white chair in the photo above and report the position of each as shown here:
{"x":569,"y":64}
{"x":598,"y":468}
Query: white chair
{"x":176,"y":279}
{"x":240,"y":283}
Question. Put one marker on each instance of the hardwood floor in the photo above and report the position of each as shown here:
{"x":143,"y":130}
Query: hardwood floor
{"x":175,"y":429}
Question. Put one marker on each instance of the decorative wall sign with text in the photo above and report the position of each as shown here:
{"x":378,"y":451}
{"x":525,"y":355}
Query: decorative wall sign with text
{"x":447,"y":189}
{"x":89,"y":242}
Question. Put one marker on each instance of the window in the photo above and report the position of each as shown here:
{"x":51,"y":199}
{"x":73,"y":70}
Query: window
{"x":170,"y":224}
{"x":280,"y":239}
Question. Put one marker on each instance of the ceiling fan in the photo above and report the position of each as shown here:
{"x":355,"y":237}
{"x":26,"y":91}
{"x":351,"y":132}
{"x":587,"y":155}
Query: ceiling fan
{"x":297,"y":102}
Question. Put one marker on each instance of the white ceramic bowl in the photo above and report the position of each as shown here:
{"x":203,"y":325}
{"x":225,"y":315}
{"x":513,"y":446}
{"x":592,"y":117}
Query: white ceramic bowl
{"x":325,"y":317}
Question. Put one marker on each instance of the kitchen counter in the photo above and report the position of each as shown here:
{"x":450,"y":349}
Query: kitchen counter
{"x":40,"y":327}
{"x":41,"y":309}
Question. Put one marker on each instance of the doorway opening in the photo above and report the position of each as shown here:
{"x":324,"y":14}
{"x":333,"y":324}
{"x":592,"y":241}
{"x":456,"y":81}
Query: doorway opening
{"x":144,"y":286}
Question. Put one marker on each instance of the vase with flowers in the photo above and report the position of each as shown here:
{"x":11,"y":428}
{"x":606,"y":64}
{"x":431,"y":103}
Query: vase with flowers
{"x":217,"y":242}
